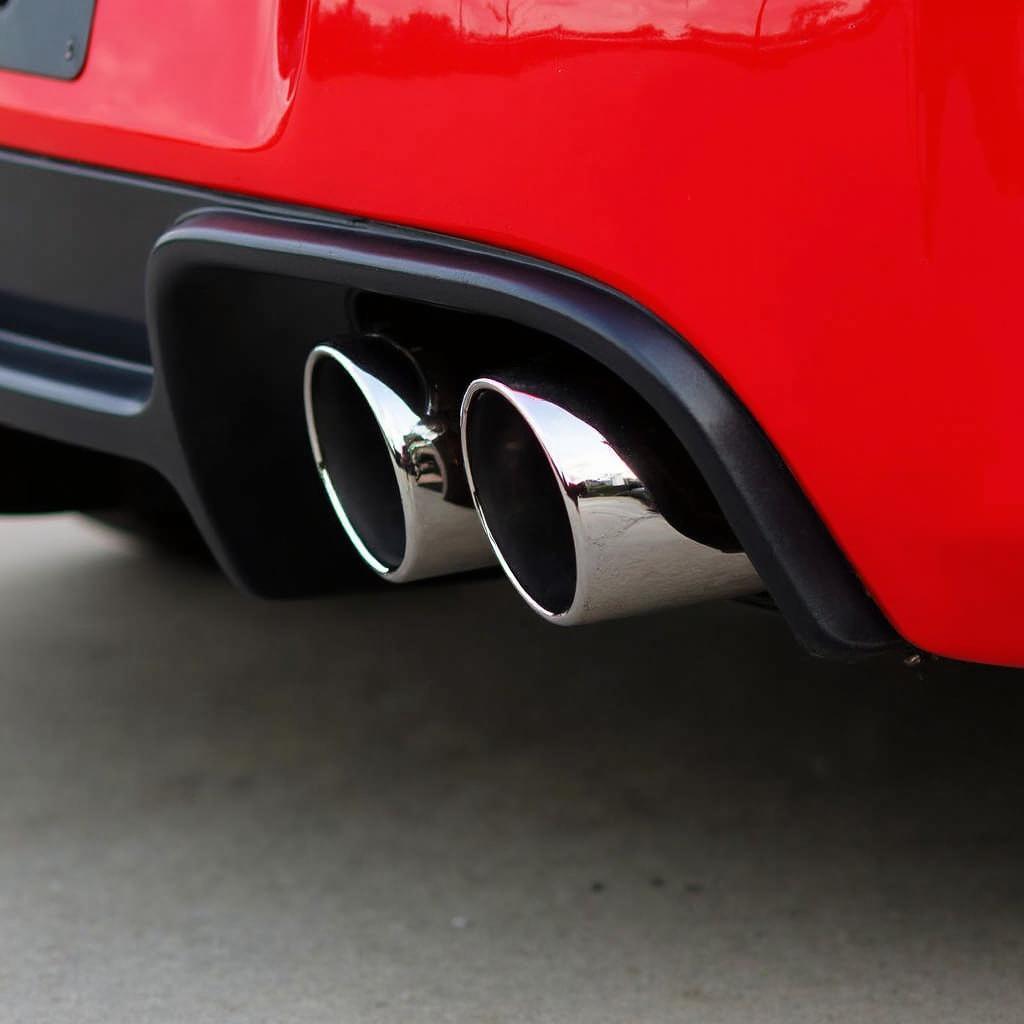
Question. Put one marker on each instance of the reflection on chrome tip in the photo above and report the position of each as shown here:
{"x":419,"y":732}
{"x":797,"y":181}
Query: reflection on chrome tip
{"x":385,"y":442}
{"x":575,"y":524}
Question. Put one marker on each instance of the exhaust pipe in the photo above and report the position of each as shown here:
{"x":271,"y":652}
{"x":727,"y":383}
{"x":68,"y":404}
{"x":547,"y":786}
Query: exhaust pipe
{"x":595,"y":510}
{"x":384,"y":433}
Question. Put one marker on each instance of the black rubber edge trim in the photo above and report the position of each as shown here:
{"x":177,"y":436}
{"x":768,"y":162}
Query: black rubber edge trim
{"x":811,"y":581}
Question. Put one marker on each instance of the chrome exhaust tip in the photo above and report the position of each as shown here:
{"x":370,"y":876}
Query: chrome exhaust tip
{"x":385,"y":441}
{"x":578,"y":514}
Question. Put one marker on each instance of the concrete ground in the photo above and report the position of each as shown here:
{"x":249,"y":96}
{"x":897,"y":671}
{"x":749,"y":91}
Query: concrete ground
{"x":423,"y":804}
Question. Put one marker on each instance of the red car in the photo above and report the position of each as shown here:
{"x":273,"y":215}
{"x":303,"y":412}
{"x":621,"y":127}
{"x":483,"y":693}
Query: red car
{"x":644,"y":300}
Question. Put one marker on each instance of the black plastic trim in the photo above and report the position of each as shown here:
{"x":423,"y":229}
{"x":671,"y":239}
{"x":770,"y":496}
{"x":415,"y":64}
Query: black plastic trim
{"x":810,"y":580}
{"x":217,"y":413}
{"x":73,"y":376}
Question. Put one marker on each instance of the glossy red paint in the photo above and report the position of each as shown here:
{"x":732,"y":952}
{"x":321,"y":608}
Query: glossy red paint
{"x":825,"y":198}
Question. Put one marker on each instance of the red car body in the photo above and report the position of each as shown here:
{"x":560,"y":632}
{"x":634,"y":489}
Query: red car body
{"x":824,"y":198}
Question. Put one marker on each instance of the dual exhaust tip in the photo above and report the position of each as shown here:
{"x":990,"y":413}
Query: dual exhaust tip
{"x":587,"y":502}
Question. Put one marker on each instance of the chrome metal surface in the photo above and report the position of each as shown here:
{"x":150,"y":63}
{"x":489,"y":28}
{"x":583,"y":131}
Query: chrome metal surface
{"x":385,"y":441}
{"x":574,"y":526}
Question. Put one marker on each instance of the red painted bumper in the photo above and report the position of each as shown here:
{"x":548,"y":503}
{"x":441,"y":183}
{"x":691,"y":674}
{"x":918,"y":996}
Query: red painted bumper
{"x":825,"y":199}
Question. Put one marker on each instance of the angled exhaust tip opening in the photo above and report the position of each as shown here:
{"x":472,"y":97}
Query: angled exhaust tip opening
{"x":385,"y":441}
{"x":583,"y":508}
